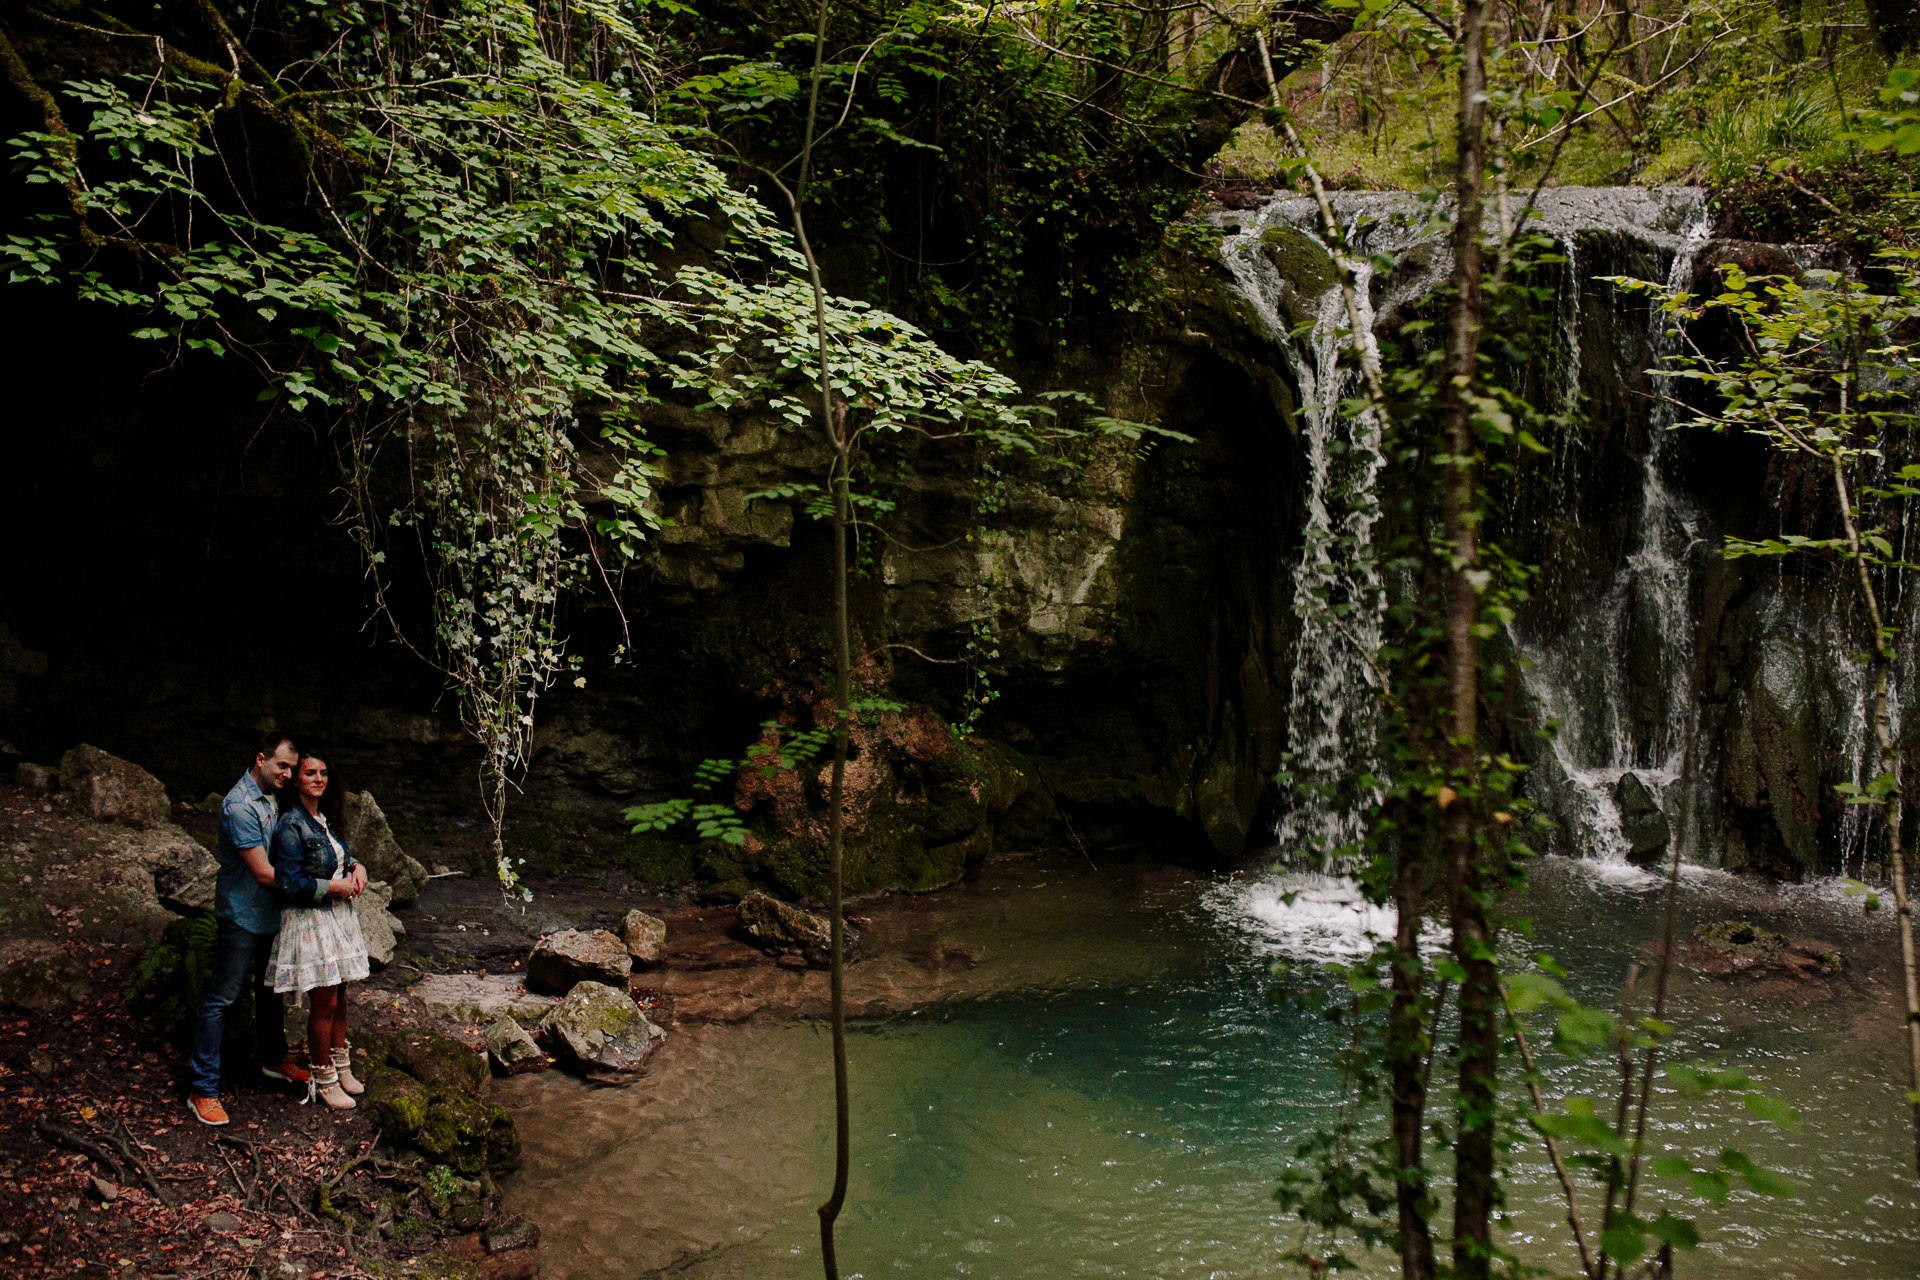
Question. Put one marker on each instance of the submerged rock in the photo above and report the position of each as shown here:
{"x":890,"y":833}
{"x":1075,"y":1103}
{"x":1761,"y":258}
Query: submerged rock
{"x":1740,"y":941}
{"x":511,"y":1049}
{"x":561,"y":960}
{"x":645,"y":936}
{"x":783,"y":928}
{"x":598,"y":1029}
{"x":1641,"y":821}
{"x":1740,"y":948}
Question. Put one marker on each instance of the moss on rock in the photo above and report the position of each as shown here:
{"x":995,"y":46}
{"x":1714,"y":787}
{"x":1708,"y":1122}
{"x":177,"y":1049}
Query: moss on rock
{"x":456,"y":1131}
{"x":438,"y":1061}
{"x":396,"y":1100}
{"x":1741,"y":939}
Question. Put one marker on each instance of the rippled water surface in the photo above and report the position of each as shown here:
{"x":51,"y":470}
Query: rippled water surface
{"x":1125,"y":1104}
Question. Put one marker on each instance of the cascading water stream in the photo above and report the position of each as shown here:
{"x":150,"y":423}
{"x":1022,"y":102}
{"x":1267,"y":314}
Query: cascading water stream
{"x":1615,"y":673}
{"x":1615,"y":678}
{"x":1336,"y":583}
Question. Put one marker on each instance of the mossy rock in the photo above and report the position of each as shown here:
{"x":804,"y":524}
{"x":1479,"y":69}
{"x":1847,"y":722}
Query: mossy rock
{"x":428,"y":1266}
{"x":1741,"y":939}
{"x":725,"y":891}
{"x":456,"y":1131}
{"x":1300,"y":260}
{"x":503,"y":1139}
{"x":439,"y":1061}
{"x":396,"y":1100}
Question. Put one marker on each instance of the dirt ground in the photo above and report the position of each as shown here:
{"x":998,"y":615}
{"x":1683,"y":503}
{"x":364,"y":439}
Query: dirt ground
{"x":103,"y":1172}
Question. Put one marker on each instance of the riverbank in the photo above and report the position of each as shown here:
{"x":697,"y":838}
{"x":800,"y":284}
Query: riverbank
{"x":107,"y":1174}
{"x":104,"y":1173}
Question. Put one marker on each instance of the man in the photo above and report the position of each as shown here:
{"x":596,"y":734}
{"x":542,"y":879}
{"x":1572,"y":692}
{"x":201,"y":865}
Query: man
{"x":246,"y":917}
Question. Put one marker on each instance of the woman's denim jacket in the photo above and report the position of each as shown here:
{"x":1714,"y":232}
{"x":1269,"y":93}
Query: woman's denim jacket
{"x":302,"y":857}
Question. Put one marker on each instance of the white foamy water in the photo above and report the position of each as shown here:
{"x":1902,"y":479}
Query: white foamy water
{"x":1305,"y":916}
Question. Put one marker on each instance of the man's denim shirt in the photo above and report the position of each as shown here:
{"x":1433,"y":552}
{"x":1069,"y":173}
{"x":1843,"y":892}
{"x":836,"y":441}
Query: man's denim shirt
{"x":246,"y":821}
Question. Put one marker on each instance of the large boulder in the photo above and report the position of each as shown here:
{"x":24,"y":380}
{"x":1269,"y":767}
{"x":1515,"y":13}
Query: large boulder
{"x":645,"y":936}
{"x":38,"y":976}
{"x":184,"y":873}
{"x":109,"y":789}
{"x":435,"y":1060}
{"x":1641,"y":821}
{"x":561,"y":960}
{"x":372,"y":842}
{"x":511,"y":1049}
{"x":380,"y":928}
{"x":781,"y":927}
{"x":396,"y":1101}
{"x":599,"y":1030}
{"x":471,"y":998}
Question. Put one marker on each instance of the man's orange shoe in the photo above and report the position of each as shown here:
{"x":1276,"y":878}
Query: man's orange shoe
{"x":207,"y":1110}
{"x":289,"y":1072}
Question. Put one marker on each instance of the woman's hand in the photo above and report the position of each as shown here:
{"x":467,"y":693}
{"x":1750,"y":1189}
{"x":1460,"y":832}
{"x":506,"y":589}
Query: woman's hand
{"x":338,"y":888}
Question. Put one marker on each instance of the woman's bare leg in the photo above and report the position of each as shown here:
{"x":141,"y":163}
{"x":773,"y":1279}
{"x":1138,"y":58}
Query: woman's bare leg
{"x":339,"y":1040}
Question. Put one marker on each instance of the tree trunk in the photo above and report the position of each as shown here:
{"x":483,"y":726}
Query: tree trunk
{"x":1406,"y":1062}
{"x":1475,"y":1187}
{"x":1883,"y":656}
{"x":840,"y":437}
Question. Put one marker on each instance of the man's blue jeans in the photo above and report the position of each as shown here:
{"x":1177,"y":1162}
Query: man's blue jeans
{"x":237,"y":956}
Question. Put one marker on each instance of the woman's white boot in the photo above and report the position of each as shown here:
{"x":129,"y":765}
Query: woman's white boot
{"x":342,"y":1066}
{"x":326,"y":1086}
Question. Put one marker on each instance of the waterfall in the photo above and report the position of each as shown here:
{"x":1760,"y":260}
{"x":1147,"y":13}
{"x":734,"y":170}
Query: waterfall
{"x":1633,"y":645}
{"x":1615,"y":675}
{"x":1336,"y":584}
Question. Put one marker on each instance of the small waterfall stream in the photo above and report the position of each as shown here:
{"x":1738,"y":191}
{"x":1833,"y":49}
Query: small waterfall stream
{"x":1614,"y":672}
{"x":1336,"y":584}
{"x":1616,"y":676}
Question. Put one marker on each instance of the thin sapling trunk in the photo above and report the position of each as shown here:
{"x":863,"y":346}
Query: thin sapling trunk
{"x":1476,"y":1189}
{"x":839,"y":436}
{"x":1882,"y":656}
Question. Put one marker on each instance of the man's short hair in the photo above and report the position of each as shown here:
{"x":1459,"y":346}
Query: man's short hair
{"x":270,"y":743}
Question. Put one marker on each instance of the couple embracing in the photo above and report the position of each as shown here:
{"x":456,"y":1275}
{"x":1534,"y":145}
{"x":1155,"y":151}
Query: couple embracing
{"x":284,"y":917}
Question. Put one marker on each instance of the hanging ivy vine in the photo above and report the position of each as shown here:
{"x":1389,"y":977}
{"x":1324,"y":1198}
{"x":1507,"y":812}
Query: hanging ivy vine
{"x":449,"y":233}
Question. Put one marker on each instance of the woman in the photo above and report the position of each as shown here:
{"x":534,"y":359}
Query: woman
{"x":320,"y":948}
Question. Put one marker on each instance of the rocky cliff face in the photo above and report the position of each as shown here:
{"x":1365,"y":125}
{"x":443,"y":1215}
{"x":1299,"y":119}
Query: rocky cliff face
{"x":1108,"y":614}
{"x":178,"y":581}
{"x":1626,"y":518}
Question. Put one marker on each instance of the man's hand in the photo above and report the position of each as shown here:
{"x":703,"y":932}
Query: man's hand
{"x":359,"y":878}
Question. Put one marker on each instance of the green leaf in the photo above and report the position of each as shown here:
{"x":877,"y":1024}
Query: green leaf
{"x":1624,"y":1240}
{"x":1769,"y":1183}
{"x":1772,"y":1110}
{"x":1680,"y":1233}
{"x":1528,"y":991}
